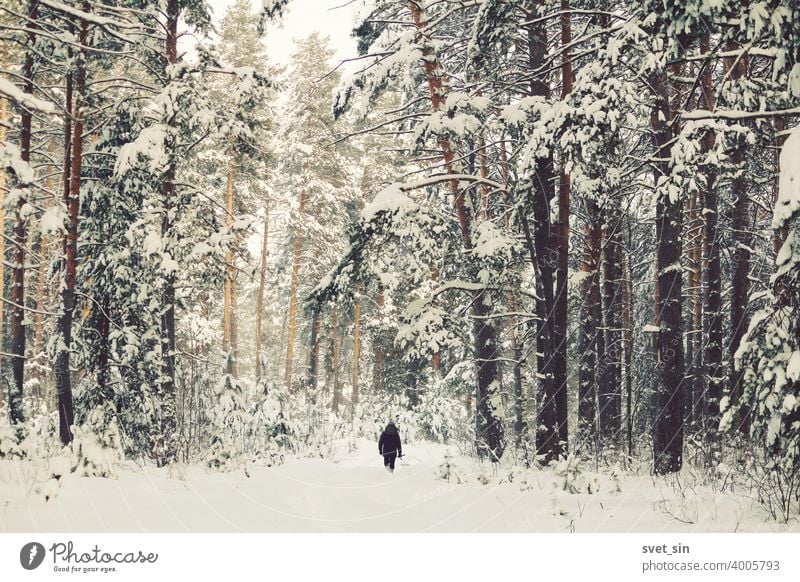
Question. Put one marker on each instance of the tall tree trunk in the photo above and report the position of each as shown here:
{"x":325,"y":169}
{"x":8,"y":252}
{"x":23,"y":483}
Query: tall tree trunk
{"x":562,"y":245}
{"x":41,"y":280}
{"x":3,"y":121}
{"x":668,"y":397}
{"x":551,"y":436}
{"x":337,"y":388}
{"x":609,"y":387}
{"x":296,"y":260}
{"x":229,"y":291}
{"x":741,"y":252}
{"x":517,"y":342}
{"x":713,"y":374}
{"x":313,"y":354}
{"x":61,"y":365}
{"x":377,"y":371}
{"x":17,"y":311}
{"x":627,"y":342}
{"x":589,"y":326}
{"x":488,"y":428}
{"x":694,"y":236}
{"x":262,"y":283}
{"x":165,"y":442}
{"x":356,"y":351}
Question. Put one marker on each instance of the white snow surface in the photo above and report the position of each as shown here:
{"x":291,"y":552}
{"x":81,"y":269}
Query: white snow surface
{"x":351,"y":492}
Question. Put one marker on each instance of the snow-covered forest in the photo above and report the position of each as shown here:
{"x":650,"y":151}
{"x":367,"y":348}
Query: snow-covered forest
{"x":555,"y":241}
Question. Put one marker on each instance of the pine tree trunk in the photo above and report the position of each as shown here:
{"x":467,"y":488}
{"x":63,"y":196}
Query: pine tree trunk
{"x":3,"y":122}
{"x":337,"y":388}
{"x":356,"y":351}
{"x":712,"y":284}
{"x":741,"y":252}
{"x":562,"y":246}
{"x":165,"y":441}
{"x":668,"y":397}
{"x":17,"y":311}
{"x":229,"y":292}
{"x":61,"y":365}
{"x":41,"y":280}
{"x":313,"y":355}
{"x":609,"y":387}
{"x":589,"y":326}
{"x":377,"y":371}
{"x":262,"y":283}
{"x":627,"y":344}
{"x":544,"y":243}
{"x":296,"y":260}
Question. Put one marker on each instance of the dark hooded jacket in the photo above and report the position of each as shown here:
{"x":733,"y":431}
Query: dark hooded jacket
{"x":389,"y":443}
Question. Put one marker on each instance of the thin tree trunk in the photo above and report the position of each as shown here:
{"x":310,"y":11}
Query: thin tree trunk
{"x":3,"y":121}
{"x":356,"y":351}
{"x":559,"y":336}
{"x":313,"y":353}
{"x":296,"y":260}
{"x":17,"y":311}
{"x":741,"y":252}
{"x":41,"y":280}
{"x":262,"y":283}
{"x":377,"y":371}
{"x":62,"y":360}
{"x":589,"y":326}
{"x":609,"y":388}
{"x":627,"y":344}
{"x":165,"y":444}
{"x":337,"y":388}
{"x":229,"y":292}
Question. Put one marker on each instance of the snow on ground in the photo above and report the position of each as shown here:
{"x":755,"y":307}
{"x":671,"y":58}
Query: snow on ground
{"x":351,"y":492}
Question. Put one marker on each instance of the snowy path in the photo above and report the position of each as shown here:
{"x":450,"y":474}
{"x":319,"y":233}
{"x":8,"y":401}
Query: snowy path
{"x":352,"y":492}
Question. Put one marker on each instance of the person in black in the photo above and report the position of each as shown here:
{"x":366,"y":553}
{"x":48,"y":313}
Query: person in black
{"x":389,"y":446}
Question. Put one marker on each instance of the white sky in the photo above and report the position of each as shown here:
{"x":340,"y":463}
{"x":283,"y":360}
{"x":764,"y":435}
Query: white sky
{"x":303,"y":18}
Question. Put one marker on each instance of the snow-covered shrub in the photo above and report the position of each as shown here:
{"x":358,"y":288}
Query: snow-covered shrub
{"x":230,"y":421}
{"x":448,"y":471}
{"x":572,"y":476}
{"x":97,"y":445}
{"x":271,"y":433}
{"x":9,"y":445}
{"x":440,"y":418}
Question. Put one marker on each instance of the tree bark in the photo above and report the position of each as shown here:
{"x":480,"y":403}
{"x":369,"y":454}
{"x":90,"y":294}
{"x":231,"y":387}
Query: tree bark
{"x":296,"y":260}
{"x":589,"y":328}
{"x":668,"y":397}
{"x":164,"y":443}
{"x":262,"y":284}
{"x":17,"y":311}
{"x":741,"y":252}
{"x":713,"y":375}
{"x":544,"y":243}
{"x":337,"y":388}
{"x":229,"y":291}
{"x":61,"y":365}
{"x":3,"y":121}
